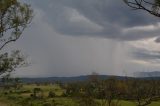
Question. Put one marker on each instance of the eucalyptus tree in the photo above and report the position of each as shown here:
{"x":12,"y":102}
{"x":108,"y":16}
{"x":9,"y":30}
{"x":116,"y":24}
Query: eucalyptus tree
{"x":15,"y":16}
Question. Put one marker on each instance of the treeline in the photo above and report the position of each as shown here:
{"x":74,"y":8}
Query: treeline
{"x":97,"y":92}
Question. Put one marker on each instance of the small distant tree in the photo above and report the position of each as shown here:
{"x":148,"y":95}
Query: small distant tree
{"x":51,"y":94}
{"x":94,"y":77}
{"x":37,"y":93}
{"x":73,"y":89}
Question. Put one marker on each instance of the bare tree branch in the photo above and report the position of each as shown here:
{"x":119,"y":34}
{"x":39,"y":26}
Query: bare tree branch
{"x":151,"y":6}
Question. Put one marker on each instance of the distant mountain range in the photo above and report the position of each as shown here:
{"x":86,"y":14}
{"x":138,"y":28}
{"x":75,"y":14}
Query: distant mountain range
{"x":66,"y":79}
{"x":142,"y":75}
{"x":147,"y":74}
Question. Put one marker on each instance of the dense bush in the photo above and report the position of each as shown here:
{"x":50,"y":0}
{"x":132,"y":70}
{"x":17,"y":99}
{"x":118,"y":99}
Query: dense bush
{"x":51,"y":94}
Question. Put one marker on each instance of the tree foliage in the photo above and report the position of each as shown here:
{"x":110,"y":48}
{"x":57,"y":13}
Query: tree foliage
{"x":10,"y":61}
{"x":151,"y":6}
{"x":14,"y":18}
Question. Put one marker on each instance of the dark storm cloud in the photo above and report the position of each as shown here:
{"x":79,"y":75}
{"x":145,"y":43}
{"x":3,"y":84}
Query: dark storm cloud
{"x":55,"y":51}
{"x":97,"y":18}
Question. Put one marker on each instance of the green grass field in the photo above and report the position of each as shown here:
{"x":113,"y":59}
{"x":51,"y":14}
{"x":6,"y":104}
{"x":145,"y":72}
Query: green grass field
{"x":18,"y":98}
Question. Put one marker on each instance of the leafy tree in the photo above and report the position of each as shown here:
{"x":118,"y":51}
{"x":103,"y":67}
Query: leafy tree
{"x":10,"y":61}
{"x":151,"y":6}
{"x":73,"y":89}
{"x":14,"y":18}
{"x":51,"y":94}
{"x":110,"y":92}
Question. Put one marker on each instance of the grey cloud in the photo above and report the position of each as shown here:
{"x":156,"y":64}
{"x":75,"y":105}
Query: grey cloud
{"x":105,"y":18}
{"x":157,"y":40}
{"x":57,"y":54}
{"x":146,"y":55}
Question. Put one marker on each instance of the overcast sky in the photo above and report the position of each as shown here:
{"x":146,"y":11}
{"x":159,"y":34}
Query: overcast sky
{"x":78,"y":37}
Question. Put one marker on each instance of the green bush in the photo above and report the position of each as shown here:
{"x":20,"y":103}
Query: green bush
{"x":51,"y":94}
{"x":5,"y":93}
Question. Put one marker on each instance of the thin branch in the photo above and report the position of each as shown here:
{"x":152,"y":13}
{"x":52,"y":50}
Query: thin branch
{"x":142,"y":5}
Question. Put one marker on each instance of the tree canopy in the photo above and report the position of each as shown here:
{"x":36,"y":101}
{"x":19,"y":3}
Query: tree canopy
{"x":10,"y":61}
{"x":151,"y":6}
{"x":14,"y":18}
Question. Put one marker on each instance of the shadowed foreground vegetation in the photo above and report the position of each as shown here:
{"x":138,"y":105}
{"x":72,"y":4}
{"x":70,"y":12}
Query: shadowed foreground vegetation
{"x":94,"y":92}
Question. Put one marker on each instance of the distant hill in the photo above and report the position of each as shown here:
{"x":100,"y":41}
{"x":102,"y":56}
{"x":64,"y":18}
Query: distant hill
{"x":65,"y":79}
{"x":147,"y":74}
{"x":141,"y":75}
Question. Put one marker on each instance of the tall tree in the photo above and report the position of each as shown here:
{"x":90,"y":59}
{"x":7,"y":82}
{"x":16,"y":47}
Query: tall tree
{"x":14,"y":18}
{"x":151,"y":6}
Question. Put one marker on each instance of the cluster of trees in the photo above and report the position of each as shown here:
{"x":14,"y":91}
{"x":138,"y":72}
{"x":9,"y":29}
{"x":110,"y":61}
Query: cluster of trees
{"x":111,"y":91}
